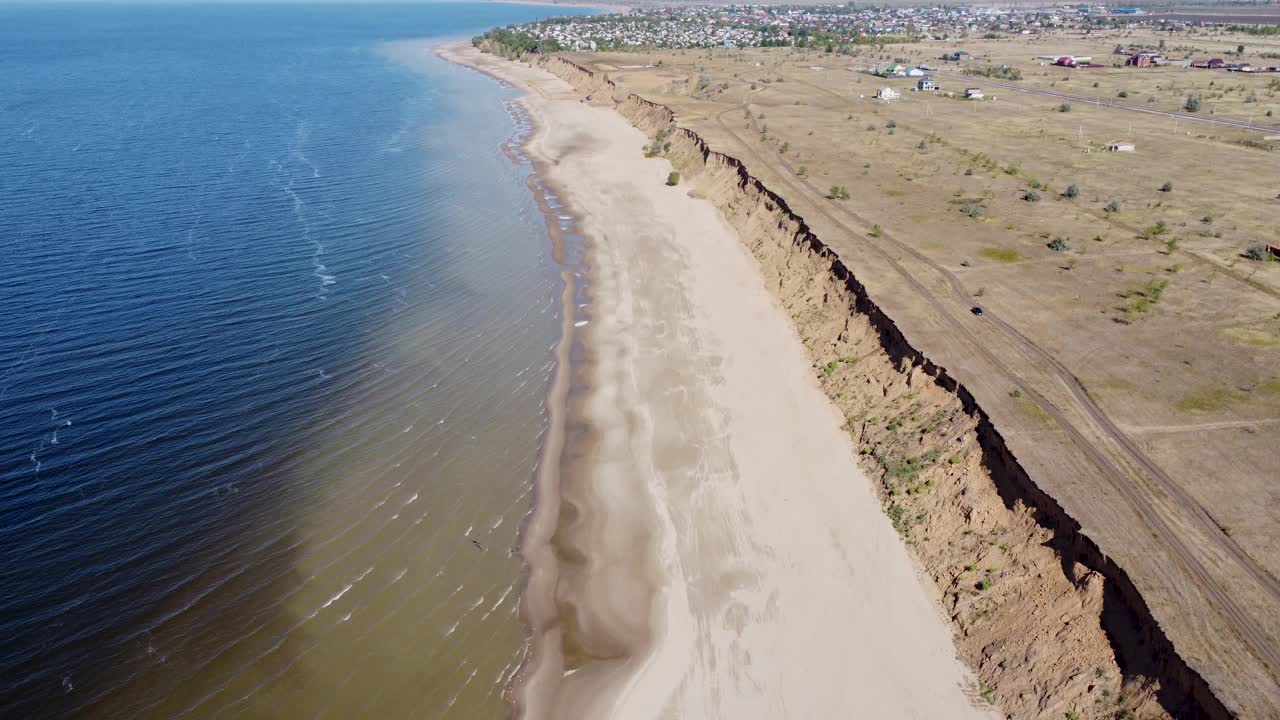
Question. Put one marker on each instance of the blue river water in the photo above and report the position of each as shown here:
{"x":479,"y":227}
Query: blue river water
{"x":276,"y":320}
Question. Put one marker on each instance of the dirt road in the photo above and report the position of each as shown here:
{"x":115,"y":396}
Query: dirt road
{"x":1134,"y":476}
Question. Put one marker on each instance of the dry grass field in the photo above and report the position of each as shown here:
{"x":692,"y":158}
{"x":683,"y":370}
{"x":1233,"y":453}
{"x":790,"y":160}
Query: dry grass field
{"x":1129,"y":351}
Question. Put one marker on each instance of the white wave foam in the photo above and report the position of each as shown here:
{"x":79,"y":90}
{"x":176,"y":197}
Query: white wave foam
{"x":346,"y":589}
{"x":502,"y":598}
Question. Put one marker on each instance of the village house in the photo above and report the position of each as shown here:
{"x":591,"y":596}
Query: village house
{"x":1144,"y":59}
{"x":1120,"y":147}
{"x":926,"y":84}
{"x":887,"y":94}
{"x":973,"y":93}
{"x":1072,"y":60}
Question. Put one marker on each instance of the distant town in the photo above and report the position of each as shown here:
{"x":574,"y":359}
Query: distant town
{"x":829,"y":27}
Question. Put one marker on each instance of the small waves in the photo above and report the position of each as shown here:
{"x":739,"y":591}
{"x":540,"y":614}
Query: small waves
{"x":273,"y":359}
{"x":346,"y":589}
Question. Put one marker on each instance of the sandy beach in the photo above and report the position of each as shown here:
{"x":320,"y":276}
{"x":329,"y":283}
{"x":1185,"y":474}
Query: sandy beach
{"x":715,"y":552}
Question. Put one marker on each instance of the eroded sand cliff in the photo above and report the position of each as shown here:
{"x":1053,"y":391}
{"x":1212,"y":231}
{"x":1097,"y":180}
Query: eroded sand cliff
{"x":1048,"y":622}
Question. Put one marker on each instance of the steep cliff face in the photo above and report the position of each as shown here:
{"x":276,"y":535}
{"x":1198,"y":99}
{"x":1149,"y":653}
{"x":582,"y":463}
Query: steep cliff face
{"x":1051,"y":626}
{"x":584,"y":80}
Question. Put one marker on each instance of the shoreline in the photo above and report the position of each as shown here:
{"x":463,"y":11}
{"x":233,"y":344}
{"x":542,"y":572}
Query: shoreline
{"x":531,"y":687}
{"x":663,"y":499}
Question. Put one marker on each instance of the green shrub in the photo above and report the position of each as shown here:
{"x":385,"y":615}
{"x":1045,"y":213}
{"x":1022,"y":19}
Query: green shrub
{"x":1031,"y":196}
{"x":896,"y":513}
{"x":1192,"y":104}
{"x":673,"y":178}
{"x":1072,"y":191}
{"x":1060,"y":244}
